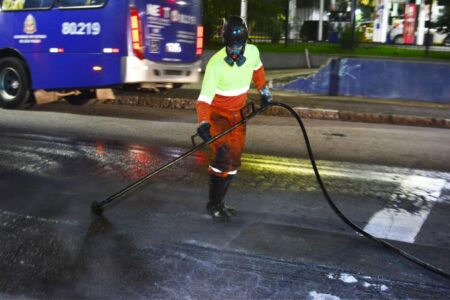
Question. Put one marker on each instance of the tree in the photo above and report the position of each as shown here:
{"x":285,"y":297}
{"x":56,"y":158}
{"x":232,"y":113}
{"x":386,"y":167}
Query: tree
{"x":264,"y":16}
{"x":214,"y":11}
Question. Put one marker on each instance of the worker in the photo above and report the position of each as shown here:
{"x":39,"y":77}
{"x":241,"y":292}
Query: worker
{"x":225,"y":87}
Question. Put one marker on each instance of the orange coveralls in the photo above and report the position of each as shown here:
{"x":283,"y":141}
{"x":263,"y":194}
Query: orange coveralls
{"x":223,"y":95}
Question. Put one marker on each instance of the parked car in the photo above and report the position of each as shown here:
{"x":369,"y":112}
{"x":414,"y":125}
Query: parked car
{"x":366,"y":29}
{"x":310,"y":30}
{"x":441,"y":35}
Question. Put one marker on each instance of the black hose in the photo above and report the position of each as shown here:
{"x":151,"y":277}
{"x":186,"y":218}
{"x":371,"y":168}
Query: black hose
{"x":341,"y":215}
{"x":97,"y":207}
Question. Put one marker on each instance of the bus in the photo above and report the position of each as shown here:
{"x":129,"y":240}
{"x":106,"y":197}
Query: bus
{"x":79,"y":46}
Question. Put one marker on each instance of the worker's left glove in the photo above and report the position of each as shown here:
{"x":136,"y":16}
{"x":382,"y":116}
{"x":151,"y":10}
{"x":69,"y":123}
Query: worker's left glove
{"x":204,"y":131}
{"x":266,"y":96}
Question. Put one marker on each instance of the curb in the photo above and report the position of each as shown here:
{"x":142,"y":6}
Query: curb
{"x":394,"y":119}
{"x":304,"y":112}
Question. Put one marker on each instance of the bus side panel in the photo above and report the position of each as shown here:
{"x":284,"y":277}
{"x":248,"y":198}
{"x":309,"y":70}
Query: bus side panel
{"x":6,"y":30}
{"x":73,"y":71}
{"x":69,"y":43}
{"x":170,"y":29}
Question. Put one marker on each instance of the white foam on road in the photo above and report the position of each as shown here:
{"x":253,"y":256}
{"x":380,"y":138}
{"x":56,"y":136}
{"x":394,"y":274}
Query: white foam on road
{"x":318,"y":296}
{"x":397,"y":223}
{"x":350,"y":279}
{"x":347,"y":278}
{"x":380,"y":287}
{"x":344,"y":277}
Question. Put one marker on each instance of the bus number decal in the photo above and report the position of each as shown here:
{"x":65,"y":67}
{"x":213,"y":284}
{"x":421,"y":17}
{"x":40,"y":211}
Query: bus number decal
{"x":81,"y":28}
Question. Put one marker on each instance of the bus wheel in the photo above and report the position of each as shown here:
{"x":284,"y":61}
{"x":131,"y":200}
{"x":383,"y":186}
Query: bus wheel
{"x":84,"y":98}
{"x":14,"y":83}
{"x":398,"y":40}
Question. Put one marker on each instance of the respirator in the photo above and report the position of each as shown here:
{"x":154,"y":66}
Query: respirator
{"x":235,"y":54}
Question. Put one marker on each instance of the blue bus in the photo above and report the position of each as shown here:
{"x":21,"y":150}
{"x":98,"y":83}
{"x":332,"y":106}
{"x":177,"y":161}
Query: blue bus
{"x":78,"y":46}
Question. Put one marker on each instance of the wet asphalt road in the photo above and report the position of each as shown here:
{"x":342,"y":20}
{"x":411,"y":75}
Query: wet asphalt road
{"x":158,"y":242}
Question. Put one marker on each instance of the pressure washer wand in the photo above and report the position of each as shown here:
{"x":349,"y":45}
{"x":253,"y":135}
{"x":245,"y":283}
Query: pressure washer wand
{"x":98,"y":207}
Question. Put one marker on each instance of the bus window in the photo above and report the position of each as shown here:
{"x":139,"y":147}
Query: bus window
{"x":80,"y":3}
{"x":13,"y":4}
{"x":33,"y":4}
{"x":26,"y":4}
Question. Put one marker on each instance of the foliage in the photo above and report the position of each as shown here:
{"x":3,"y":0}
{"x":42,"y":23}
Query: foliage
{"x":264,"y":16}
{"x":346,"y":38}
{"x":370,"y":3}
{"x":266,"y":22}
{"x":364,"y":50}
{"x":214,"y":12}
{"x":267,"y":16}
{"x":276,"y":34}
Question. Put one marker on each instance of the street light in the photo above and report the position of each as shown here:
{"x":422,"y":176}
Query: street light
{"x":244,"y":10}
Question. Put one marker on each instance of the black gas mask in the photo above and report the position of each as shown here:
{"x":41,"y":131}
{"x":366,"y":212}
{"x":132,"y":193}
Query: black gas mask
{"x":235,"y":54}
{"x":235,"y":36}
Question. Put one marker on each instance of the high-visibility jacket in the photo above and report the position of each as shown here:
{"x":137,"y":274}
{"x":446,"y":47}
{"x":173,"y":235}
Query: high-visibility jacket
{"x":226,"y":87}
{"x":224,"y":93}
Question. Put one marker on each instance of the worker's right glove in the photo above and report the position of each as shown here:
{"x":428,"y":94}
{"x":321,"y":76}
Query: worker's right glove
{"x":204,"y":131}
{"x":266,"y":96}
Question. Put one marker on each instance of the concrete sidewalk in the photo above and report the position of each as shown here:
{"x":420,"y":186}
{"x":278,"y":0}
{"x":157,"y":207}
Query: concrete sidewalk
{"x":358,"y":109}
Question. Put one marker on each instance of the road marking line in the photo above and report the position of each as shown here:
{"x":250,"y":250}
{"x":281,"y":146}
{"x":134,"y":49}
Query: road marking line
{"x":407,"y":210}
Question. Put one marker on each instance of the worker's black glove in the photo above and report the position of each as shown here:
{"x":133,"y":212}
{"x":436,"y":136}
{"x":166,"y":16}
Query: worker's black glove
{"x":204,"y":131}
{"x":266,"y":96}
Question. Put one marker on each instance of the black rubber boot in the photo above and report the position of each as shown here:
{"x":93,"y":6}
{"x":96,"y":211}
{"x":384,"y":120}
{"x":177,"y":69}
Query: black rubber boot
{"x":229,"y":210}
{"x":218,"y":213}
{"x":217,"y":189}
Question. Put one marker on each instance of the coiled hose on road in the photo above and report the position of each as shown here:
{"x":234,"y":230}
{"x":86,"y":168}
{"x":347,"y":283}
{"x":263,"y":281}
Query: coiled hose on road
{"x":98,"y":207}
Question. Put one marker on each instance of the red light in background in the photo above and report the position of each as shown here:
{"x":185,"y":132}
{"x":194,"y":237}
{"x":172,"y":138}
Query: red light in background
{"x":100,"y":149}
{"x":199,"y":46}
{"x":136,"y":33}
